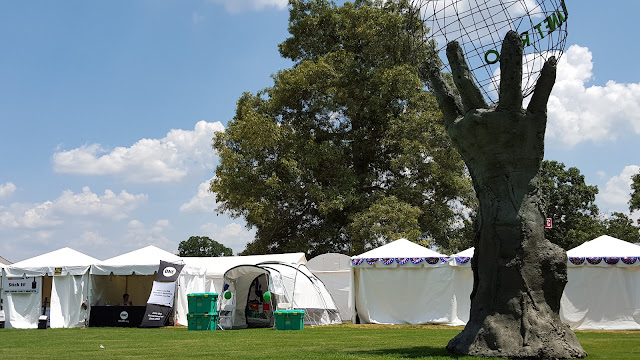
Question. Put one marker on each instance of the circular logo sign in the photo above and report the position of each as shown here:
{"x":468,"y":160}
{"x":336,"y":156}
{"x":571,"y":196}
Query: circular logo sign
{"x":169,"y":271}
{"x":124,"y":315}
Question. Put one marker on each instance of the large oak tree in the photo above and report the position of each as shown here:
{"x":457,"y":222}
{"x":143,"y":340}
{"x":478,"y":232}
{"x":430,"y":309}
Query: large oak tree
{"x":346,"y":150}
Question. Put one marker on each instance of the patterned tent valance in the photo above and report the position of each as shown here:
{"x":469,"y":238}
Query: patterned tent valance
{"x":604,"y":261}
{"x":427,"y":261}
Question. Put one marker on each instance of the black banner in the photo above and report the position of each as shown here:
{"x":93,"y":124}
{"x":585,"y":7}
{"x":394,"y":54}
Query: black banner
{"x":160,"y":303}
{"x":168,"y":271}
{"x":155,"y":316}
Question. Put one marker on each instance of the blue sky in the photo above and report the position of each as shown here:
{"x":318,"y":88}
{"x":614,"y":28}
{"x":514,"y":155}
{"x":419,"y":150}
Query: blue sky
{"x":107,"y":109}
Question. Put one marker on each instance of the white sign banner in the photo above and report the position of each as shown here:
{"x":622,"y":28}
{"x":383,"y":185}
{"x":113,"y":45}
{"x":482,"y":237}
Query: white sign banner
{"x":162,"y":293}
{"x":21,"y":284}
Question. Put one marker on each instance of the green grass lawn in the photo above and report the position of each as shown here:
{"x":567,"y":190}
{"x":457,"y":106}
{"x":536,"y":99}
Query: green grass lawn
{"x":325,"y":342}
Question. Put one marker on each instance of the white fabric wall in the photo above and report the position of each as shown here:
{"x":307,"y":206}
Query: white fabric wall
{"x":67,"y":294}
{"x":405,"y":295}
{"x":463,"y":285}
{"x":337,"y":283}
{"x":187,"y":284}
{"x":22,"y":310}
{"x":334,"y":270}
{"x":602,"y":298}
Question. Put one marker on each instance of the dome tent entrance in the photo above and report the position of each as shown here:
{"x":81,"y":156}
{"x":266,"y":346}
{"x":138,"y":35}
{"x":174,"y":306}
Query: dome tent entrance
{"x":290,"y":286}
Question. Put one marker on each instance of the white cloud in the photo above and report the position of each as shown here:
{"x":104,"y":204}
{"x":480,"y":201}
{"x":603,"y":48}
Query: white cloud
{"x":7,"y":190}
{"x":90,"y":239}
{"x":109,"y":205}
{"x":578,"y":112}
{"x":235,"y":6}
{"x":204,"y":201}
{"x":28,"y":216}
{"x":69,"y":204}
{"x":617,"y":191}
{"x":139,"y":235}
{"x":234,"y":235}
{"x":149,"y":160}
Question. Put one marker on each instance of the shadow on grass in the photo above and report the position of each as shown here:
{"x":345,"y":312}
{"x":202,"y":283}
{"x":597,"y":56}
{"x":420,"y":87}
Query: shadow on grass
{"x":414,"y":352}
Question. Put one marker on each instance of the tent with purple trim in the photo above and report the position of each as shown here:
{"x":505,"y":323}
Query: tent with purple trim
{"x":402,"y":283}
{"x":603,"y":288}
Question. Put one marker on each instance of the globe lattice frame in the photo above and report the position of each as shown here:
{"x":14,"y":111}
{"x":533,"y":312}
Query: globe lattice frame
{"x":479,"y":27}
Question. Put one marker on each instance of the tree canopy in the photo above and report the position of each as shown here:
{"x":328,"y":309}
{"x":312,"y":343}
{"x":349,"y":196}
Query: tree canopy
{"x":570,"y":202}
{"x":634,"y":202}
{"x":346,"y":150}
{"x":202,"y":246}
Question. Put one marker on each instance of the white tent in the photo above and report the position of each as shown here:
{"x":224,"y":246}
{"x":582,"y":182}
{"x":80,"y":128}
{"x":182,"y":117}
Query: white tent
{"x":603,"y":289}
{"x":334,"y":270}
{"x":215,"y":267}
{"x":62,"y":276}
{"x":133,"y":273}
{"x":463,"y":281}
{"x":291,"y":285}
{"x":402,"y":283}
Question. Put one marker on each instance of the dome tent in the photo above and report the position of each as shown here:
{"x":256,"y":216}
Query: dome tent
{"x":291,"y":286}
{"x":215,"y":267}
{"x":603,"y":288}
{"x":403,"y":283}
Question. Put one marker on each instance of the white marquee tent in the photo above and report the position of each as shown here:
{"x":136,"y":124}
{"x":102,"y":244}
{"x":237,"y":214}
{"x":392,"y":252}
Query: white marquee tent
{"x":603,"y":289}
{"x":134,"y":272}
{"x":463,"y":279}
{"x":334,"y":270}
{"x":61,"y":273}
{"x":292,"y":286}
{"x":403,"y":283}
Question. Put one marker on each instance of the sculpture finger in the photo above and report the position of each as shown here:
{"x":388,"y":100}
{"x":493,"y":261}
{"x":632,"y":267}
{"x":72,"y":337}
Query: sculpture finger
{"x":544,"y":85}
{"x":511,"y":72}
{"x":469,"y":92}
{"x":449,"y":105}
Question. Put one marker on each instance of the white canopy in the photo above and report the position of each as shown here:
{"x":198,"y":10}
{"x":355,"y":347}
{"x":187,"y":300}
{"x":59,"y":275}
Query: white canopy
{"x":401,"y":248}
{"x":403,"y":283}
{"x":462,"y":258}
{"x":133,"y":272}
{"x":603,"y":288}
{"x":144,"y":261}
{"x":605,"y":251}
{"x":65,"y":261}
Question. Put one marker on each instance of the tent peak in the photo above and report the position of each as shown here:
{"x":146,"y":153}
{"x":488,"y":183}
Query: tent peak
{"x":399,"y":248}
